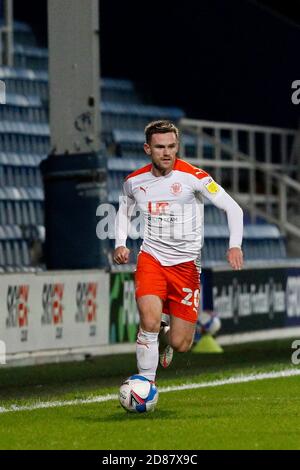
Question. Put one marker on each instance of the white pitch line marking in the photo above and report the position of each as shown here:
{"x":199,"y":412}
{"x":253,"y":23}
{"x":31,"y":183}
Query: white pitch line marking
{"x":103,"y":398}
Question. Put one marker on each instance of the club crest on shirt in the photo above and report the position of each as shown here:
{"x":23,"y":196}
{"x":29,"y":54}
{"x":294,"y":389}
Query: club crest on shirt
{"x":176,"y":188}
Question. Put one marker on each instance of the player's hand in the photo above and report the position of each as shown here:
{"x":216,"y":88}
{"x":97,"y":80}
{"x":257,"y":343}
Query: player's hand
{"x":235,"y":258}
{"x":121,"y":255}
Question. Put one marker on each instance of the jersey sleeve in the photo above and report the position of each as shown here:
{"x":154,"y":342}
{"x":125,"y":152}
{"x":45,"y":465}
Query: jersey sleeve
{"x":205,"y":184}
{"x":122,"y":224}
{"x":234,"y":218}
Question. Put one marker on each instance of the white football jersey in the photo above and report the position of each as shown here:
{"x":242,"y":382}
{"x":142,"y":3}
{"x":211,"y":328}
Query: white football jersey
{"x":172,"y":211}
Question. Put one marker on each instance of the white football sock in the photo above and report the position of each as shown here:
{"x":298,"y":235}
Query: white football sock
{"x":147,"y":353}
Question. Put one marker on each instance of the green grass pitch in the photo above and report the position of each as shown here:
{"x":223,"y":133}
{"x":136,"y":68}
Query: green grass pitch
{"x":260,"y":414}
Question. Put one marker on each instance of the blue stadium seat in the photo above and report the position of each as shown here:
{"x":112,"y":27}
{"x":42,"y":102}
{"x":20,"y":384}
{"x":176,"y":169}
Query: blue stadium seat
{"x":23,"y":33}
{"x":118,"y":169}
{"x":23,"y":108}
{"x":17,"y":137}
{"x":25,"y":82}
{"x":132,"y":116}
{"x":35,"y":82}
{"x":21,"y":206}
{"x":118,"y":91}
{"x":261,"y":241}
{"x":129,"y":142}
{"x":14,"y":251}
{"x":30,"y":57}
{"x":213,"y":215}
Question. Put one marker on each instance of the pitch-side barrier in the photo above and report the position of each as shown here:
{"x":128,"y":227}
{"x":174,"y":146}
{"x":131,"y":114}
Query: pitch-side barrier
{"x":71,"y":315}
{"x":50,"y":316}
{"x":262,"y":301}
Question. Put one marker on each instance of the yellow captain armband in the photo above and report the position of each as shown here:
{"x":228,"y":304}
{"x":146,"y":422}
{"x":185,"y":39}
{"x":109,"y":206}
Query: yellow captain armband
{"x":212,"y":187}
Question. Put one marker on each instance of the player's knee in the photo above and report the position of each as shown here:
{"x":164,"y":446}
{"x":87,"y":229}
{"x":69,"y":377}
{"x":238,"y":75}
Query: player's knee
{"x":181,"y":345}
{"x":150,"y":324}
{"x":150,"y":313}
{"x":185,"y":347}
{"x":182,"y":348}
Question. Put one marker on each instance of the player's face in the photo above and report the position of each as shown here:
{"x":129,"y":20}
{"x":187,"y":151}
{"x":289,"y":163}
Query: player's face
{"x":163,"y":149}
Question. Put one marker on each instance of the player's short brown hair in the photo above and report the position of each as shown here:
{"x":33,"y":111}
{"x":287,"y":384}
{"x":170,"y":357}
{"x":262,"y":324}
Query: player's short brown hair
{"x":160,"y":127}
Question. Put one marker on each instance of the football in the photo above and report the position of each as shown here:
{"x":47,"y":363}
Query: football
{"x":138,"y":395}
{"x":209,"y":323}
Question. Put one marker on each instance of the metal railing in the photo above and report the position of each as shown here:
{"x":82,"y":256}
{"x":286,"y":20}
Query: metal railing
{"x":258,"y":165}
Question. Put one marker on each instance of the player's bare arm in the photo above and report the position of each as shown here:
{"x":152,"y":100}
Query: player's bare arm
{"x":121,"y":255}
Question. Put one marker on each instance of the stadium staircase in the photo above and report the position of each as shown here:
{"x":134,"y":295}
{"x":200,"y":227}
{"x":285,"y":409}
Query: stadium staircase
{"x":24,"y":137}
{"x":259,"y":166}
